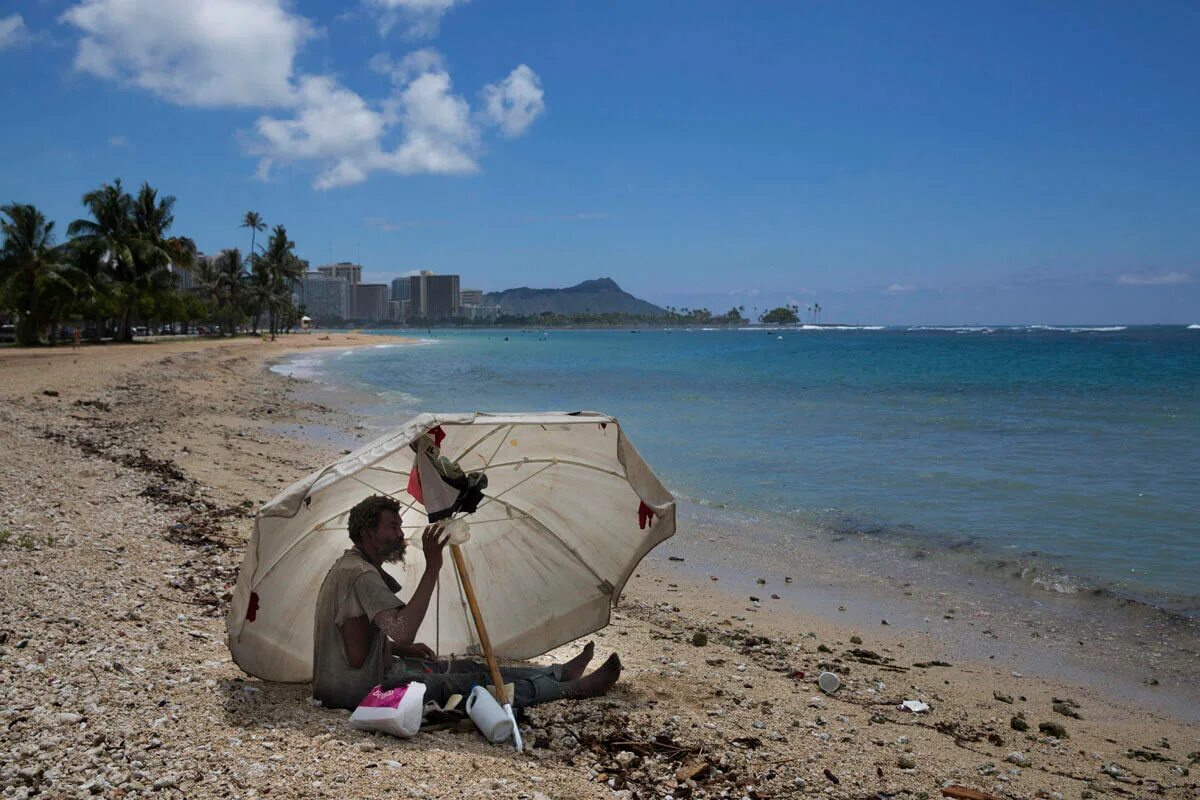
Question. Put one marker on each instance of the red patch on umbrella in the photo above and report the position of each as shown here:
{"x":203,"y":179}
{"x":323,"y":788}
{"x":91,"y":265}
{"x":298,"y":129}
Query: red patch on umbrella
{"x":414,"y":484}
{"x":438,"y":434}
{"x":645,"y":515}
{"x":252,"y":610}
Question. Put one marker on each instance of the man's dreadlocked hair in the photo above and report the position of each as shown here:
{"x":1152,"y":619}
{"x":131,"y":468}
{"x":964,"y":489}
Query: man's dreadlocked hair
{"x":365,"y":516}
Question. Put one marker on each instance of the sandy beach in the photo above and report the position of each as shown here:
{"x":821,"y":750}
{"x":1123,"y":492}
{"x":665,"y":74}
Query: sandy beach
{"x":130,"y":481}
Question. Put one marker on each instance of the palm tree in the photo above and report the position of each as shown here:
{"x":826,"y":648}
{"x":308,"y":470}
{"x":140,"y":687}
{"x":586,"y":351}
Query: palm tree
{"x":282,"y":269}
{"x":231,"y":288}
{"x":254,"y":221}
{"x":258,"y":290}
{"x":35,"y":277}
{"x":154,"y":251}
{"x":103,"y":245}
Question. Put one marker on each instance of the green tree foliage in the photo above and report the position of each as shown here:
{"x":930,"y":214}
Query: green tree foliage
{"x":783,"y":315}
{"x":254,"y":221}
{"x":36,"y":280}
{"x":278,"y":269}
{"x":120,"y":269}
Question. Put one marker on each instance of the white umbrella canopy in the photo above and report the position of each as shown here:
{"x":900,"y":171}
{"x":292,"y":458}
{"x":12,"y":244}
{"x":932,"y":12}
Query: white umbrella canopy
{"x":571,"y":509}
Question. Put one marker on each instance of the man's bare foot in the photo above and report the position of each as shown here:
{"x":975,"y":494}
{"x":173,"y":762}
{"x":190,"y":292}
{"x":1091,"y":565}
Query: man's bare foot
{"x":573,"y":669}
{"x":597,"y":683}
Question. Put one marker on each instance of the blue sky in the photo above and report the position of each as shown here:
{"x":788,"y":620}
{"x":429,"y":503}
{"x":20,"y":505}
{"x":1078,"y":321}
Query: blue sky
{"x":937,"y":162}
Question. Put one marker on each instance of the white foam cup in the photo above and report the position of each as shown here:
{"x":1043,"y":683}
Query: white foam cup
{"x":829,"y":682}
{"x":488,"y":715}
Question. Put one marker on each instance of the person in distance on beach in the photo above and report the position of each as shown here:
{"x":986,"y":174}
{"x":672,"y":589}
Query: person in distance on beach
{"x":365,"y":635}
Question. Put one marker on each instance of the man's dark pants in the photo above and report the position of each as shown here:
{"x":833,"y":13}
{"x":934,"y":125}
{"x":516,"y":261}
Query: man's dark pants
{"x":531,"y":685}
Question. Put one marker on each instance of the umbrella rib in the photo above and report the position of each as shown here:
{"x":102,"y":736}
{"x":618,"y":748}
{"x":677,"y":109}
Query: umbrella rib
{"x":562,"y":542}
{"x":388,"y":470}
{"x":488,"y":462}
{"x":515,"y":485}
{"x":258,"y":577}
{"x":479,"y":441}
{"x":583,"y":464}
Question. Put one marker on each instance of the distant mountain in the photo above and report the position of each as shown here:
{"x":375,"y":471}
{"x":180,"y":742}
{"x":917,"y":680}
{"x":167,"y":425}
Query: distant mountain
{"x":600,"y":296}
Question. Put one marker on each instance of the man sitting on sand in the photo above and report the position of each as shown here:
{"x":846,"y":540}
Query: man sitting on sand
{"x":365,"y":634}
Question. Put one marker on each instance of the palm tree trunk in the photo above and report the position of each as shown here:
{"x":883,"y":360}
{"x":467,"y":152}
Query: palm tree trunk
{"x":27,"y":332}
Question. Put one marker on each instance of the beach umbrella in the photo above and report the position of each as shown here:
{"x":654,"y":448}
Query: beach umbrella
{"x":569,"y":511}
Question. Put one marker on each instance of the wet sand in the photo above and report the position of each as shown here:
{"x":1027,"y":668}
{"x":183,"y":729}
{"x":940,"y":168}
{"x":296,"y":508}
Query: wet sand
{"x":128,"y":492}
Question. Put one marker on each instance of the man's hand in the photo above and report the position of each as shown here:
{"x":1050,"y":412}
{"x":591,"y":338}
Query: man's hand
{"x":433,"y":546}
{"x":414,"y":650}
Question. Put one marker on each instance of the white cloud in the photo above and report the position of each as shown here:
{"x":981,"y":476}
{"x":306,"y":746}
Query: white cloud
{"x":422,"y":17}
{"x":242,"y":53}
{"x":13,"y":31}
{"x":332,"y":125}
{"x":1154,"y":278}
{"x":415,"y":63}
{"x":515,"y":102}
{"x":215,"y":53}
{"x":438,"y":134}
{"x":337,"y":128}
{"x":117,"y":141}
{"x":899,"y":288}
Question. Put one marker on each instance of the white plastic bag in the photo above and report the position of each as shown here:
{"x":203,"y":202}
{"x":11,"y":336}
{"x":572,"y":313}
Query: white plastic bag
{"x":395,"y":711}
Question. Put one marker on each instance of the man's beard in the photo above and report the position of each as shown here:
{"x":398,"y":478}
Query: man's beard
{"x":393,"y":554}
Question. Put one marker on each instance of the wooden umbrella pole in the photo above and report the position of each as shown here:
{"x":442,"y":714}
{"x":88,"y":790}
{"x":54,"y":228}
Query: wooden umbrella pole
{"x":484,"y":641}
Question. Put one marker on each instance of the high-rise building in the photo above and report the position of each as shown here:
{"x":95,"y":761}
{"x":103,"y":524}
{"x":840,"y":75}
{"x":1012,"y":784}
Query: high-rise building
{"x":369,"y":302}
{"x":470,"y":297}
{"x":343,"y":269}
{"x":400,"y":288}
{"x":326,"y":299}
{"x":433,"y":296}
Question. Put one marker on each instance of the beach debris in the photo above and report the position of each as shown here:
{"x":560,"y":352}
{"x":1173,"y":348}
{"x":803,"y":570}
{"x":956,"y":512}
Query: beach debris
{"x":915,"y":706}
{"x":1066,"y":708}
{"x":692,"y":771}
{"x":787,"y":580}
{"x":856,"y":640}
{"x":1018,"y":722}
{"x":50,"y":392}
{"x":699,"y":639}
{"x":906,"y":762}
{"x":928,"y":664}
{"x":966,"y":793}
{"x":833,"y":778}
{"x":674,"y":558}
{"x":1003,"y":698}
{"x":761,"y":581}
{"x":829,"y":682}
{"x":1053,"y":729}
{"x":1018,"y":758}
{"x":869,"y":655}
{"x":883,"y":622}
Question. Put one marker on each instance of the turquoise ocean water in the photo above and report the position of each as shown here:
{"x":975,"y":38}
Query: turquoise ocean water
{"x":1074,"y":448}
